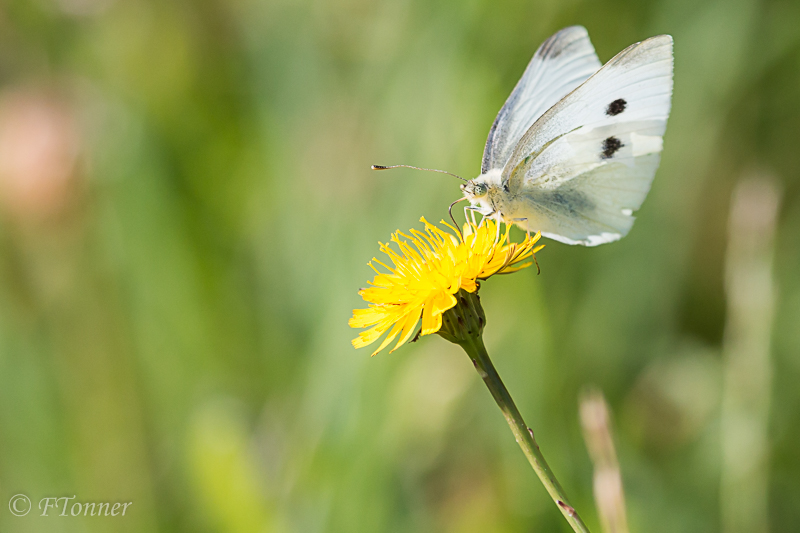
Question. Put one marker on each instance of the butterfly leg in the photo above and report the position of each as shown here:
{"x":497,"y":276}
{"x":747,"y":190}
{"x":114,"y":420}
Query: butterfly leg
{"x":471,"y":209}
{"x":528,"y":232}
{"x":497,"y":221}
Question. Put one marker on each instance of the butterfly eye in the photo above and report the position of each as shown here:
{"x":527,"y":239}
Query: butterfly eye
{"x":480,"y":189}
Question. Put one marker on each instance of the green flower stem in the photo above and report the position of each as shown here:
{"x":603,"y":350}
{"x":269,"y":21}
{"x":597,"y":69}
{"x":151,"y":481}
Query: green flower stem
{"x":463,"y":325}
{"x":524,"y":435}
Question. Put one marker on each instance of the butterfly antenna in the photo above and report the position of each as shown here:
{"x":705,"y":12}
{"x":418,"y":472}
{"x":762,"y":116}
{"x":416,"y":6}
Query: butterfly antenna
{"x":382,"y":167}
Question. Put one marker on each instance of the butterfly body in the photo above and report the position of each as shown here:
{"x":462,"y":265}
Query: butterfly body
{"x":574,"y":150}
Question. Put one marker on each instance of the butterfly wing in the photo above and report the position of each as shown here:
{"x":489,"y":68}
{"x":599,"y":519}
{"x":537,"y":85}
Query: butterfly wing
{"x":561,"y":63}
{"x":582,"y":169}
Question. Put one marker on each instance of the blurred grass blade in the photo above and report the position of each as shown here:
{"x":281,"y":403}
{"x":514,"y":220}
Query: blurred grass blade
{"x":747,"y":370}
{"x":608,"y":493}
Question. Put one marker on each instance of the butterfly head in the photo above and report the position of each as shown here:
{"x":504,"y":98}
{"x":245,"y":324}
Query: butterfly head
{"x":485,"y":192}
{"x":474,"y":190}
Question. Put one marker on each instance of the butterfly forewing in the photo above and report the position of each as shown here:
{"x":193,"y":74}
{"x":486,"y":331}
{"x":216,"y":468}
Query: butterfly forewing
{"x":586,"y":164}
{"x":561,"y":64}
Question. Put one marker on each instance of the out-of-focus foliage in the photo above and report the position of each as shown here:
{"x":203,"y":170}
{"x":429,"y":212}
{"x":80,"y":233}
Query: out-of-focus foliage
{"x":186,"y":213}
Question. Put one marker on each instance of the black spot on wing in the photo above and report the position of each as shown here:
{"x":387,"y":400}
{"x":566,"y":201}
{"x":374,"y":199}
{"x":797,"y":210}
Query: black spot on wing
{"x":610,"y":147}
{"x":616,"y":107}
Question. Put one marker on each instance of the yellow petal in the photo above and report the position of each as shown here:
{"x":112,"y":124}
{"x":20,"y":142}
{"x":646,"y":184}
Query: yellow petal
{"x":409,"y":325}
{"x":390,"y":337}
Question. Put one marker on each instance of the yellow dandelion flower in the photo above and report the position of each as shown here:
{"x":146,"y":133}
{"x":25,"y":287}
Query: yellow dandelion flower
{"x":428,"y":270}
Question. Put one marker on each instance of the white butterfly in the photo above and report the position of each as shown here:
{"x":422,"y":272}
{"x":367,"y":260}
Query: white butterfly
{"x":574,"y":149}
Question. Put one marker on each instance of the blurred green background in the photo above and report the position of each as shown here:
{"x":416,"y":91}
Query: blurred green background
{"x":186,"y":213}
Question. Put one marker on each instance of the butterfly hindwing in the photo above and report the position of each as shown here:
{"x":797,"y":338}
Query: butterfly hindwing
{"x":561,"y":64}
{"x":587,"y":163}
